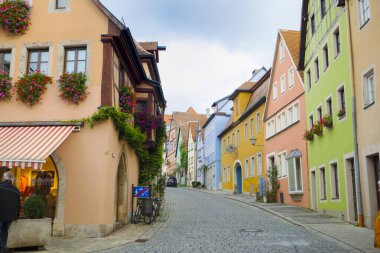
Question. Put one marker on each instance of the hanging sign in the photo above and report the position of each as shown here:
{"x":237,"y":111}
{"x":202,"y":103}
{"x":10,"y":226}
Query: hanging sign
{"x":141,"y":192}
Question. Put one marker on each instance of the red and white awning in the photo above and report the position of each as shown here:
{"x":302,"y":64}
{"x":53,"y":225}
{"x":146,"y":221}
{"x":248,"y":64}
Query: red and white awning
{"x":29,"y":146}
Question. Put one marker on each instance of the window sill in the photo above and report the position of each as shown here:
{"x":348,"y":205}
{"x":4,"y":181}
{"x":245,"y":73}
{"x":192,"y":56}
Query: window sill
{"x":296,"y":193}
{"x":369,"y":105}
{"x":337,"y":55}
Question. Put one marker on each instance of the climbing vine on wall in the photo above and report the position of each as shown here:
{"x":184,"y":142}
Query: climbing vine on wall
{"x":150,"y":161}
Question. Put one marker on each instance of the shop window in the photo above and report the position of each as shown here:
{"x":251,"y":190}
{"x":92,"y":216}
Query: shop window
{"x":295,"y":175}
{"x":75,"y":60}
{"x":38,"y":60}
{"x":5,"y":61}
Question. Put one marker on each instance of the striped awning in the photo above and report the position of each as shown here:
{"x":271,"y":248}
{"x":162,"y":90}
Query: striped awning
{"x":29,"y":146}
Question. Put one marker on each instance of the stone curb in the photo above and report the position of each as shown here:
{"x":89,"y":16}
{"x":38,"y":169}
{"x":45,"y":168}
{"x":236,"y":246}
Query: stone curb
{"x":278,"y":215}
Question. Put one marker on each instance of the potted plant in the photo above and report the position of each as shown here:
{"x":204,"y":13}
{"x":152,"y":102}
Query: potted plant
{"x":273,"y":184}
{"x":318,"y":128}
{"x":31,"y":87}
{"x":5,"y":86}
{"x":309,"y":135}
{"x":342,"y":113}
{"x":327,"y":121}
{"x":73,"y":87}
{"x":32,"y":230}
{"x":15,"y":16}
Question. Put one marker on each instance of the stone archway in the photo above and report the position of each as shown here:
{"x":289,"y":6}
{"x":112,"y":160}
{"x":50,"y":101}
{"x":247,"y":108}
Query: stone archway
{"x":58,"y":223}
{"x":121,"y":191}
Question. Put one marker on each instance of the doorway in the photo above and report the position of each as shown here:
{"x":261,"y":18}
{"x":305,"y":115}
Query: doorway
{"x":121,"y":192}
{"x":314,"y":190}
{"x":351,"y":190}
{"x":238,"y":179}
{"x":376,"y":167}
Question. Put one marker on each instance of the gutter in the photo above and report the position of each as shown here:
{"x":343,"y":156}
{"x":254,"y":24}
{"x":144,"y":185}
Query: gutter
{"x":354,"y":121}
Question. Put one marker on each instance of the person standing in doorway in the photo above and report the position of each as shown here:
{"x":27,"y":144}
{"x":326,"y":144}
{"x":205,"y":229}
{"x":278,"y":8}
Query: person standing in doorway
{"x":9,"y":207}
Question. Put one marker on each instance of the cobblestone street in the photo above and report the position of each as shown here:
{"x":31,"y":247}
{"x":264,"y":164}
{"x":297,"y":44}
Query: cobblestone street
{"x":201,"y":222}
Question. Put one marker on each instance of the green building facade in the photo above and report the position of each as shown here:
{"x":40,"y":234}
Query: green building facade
{"x":324,"y":58}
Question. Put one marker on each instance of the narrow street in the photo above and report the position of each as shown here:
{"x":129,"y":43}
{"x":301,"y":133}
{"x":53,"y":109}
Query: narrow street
{"x":202,"y":222}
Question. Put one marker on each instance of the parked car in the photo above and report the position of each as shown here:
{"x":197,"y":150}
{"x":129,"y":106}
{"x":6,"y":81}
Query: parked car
{"x":172,"y":182}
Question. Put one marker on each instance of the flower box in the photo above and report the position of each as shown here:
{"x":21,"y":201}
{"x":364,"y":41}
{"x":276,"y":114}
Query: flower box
{"x":31,"y":87}
{"x":5,"y":86}
{"x":73,"y":87}
{"x":309,"y":135}
{"x":15,"y":16}
{"x":29,"y":233}
{"x":318,"y":128}
{"x":341,"y":113}
{"x":327,"y":121}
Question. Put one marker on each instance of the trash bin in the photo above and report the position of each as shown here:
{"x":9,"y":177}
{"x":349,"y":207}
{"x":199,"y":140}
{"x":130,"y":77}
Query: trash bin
{"x":147,"y":207}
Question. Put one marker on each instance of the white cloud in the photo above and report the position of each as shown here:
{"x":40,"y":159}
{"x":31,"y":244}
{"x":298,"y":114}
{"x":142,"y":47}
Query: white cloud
{"x":197,"y":72}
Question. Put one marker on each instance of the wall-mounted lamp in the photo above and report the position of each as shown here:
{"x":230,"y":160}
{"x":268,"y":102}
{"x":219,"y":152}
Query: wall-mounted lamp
{"x":253,"y":142}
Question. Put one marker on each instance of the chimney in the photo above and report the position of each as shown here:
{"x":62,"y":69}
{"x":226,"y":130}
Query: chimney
{"x":208,"y":114}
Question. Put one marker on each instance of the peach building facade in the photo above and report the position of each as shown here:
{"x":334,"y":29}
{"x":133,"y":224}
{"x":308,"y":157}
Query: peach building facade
{"x":285,"y":124}
{"x":94,"y":170}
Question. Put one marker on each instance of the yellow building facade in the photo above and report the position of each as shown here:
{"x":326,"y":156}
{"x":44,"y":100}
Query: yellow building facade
{"x":242,"y":140}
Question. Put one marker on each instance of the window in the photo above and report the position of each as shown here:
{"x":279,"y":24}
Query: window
{"x":224,"y":145}
{"x":259,"y":165}
{"x":258,"y":123}
{"x":38,"y":61}
{"x":228,"y":173}
{"x":336,"y":38}
{"x":334,"y":181}
{"x":316,"y":69}
{"x":233,"y":139}
{"x":326,"y":56}
{"x":296,"y":112}
{"x":236,"y":107}
{"x":312,"y":23}
{"x":245,"y":131}
{"x":308,"y":75}
{"x":323,"y":8}
{"x":281,"y":51}
{"x":364,"y":12}
{"x":291,"y":77}
{"x":252,"y":127}
{"x":275,"y":91}
{"x":342,"y":101}
{"x":238,"y":137}
{"x":283,"y":88}
{"x":5,"y":61}
{"x":322,"y":183}
{"x":252,"y":166}
{"x":290,"y":116}
{"x":75,"y":60}
{"x":311,"y":121}
{"x":319,"y":113}
{"x":369,"y":88}
{"x":229,"y":141}
{"x":278,"y":124}
{"x":246,"y":169}
{"x":60,"y":4}
{"x":281,"y":164}
{"x":295,"y":175}
{"x":329,"y":106}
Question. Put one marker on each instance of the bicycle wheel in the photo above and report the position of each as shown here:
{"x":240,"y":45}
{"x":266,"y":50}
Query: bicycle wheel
{"x":137,"y":215}
{"x":148,"y":219}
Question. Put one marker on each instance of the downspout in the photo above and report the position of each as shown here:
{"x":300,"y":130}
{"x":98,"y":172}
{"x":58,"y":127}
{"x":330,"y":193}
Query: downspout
{"x":354,"y":122}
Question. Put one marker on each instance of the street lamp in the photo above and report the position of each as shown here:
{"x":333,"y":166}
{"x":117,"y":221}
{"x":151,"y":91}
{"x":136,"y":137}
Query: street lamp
{"x":253,"y":141}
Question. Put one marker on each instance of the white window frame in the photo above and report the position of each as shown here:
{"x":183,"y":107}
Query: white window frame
{"x":245,"y":131}
{"x":336,"y":52}
{"x":317,"y":73}
{"x":282,"y":52}
{"x":246,"y":168}
{"x":283,"y":84}
{"x":252,"y":122}
{"x":326,"y":60}
{"x":321,"y":183}
{"x":309,"y":81}
{"x":258,"y":123}
{"x":259,"y":164}
{"x":275,"y":91}
{"x":253,"y":166}
{"x":333,"y":181}
{"x":339,"y":100}
{"x":297,"y":190}
{"x":366,"y":90}
{"x":362,"y":12}
{"x":291,"y":77}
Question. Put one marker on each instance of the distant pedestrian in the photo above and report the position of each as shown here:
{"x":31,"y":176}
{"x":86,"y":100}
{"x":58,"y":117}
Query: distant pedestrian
{"x":9,"y":207}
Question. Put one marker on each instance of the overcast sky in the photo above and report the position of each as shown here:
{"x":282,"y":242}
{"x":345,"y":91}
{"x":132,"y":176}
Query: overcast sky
{"x":212,"y":45}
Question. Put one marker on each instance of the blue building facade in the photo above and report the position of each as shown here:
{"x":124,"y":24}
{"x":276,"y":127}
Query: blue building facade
{"x":212,"y":144}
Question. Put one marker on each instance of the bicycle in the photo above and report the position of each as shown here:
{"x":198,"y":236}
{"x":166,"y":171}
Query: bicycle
{"x":137,"y":214}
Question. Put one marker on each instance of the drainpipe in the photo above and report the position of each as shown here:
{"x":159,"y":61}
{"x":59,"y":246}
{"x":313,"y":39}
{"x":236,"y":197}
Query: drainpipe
{"x":354,"y":122}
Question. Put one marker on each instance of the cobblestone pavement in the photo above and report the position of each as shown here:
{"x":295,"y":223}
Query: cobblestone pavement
{"x":201,"y":222}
